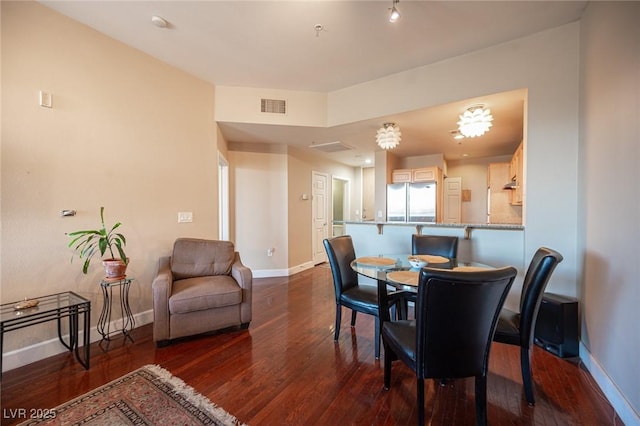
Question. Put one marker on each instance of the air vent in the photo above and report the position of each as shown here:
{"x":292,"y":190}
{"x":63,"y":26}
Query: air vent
{"x":273,"y":106}
{"x":331,"y":147}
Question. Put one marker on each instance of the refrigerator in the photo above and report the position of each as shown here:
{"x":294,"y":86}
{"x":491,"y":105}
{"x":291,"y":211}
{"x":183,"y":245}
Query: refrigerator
{"x":411,"y":202}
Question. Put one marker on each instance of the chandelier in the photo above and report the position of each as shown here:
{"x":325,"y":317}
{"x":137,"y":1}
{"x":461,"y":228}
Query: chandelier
{"x":388,"y":136}
{"x":394,"y":15}
{"x":475,"y":121}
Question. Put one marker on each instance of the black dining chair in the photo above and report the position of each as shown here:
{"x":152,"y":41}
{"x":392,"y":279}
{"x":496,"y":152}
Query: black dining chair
{"x":517,"y":328}
{"x":436,"y":245}
{"x":349,"y":293}
{"x":456,"y":316}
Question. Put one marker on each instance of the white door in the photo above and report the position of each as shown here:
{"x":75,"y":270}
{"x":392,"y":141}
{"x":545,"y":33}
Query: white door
{"x":320,"y":208}
{"x":453,"y":200}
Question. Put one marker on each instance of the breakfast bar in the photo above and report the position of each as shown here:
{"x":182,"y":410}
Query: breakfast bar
{"x":497,"y":245}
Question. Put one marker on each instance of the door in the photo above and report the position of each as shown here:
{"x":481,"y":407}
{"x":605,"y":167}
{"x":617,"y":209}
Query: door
{"x":453,"y":200}
{"x":320,"y":211}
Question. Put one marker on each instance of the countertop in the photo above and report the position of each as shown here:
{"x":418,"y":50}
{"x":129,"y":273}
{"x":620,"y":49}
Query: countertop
{"x":505,"y":226}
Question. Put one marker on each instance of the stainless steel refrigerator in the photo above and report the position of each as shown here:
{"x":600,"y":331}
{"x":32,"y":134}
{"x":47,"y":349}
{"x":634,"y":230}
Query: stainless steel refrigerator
{"x":411,"y":202}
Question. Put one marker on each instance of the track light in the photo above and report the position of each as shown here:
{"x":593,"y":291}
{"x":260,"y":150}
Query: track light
{"x":394,"y":15}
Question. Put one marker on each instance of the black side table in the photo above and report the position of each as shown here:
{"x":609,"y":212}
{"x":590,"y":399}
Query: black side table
{"x":52,"y":307}
{"x":104,"y":322}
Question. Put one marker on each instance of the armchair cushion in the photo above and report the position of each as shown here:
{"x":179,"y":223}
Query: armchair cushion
{"x":201,"y":293}
{"x":194,"y":257}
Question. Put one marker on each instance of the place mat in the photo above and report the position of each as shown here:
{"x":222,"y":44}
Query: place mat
{"x":404,"y":277}
{"x":469,"y":269}
{"x":431,"y":258}
{"x":376,"y":261}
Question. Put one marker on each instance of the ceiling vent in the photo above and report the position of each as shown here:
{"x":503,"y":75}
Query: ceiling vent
{"x":273,"y":106}
{"x":331,"y":147}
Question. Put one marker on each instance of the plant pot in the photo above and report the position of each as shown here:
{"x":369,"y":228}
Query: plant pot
{"x":114,"y":268}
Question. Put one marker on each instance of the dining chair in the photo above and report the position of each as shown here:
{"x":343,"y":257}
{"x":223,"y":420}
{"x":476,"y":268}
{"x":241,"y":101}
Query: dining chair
{"x":456,"y":317}
{"x":348,"y":292}
{"x":517,"y":328}
{"x":436,"y":245}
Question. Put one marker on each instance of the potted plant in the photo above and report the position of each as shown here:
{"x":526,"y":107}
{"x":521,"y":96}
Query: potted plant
{"x":88,"y":243}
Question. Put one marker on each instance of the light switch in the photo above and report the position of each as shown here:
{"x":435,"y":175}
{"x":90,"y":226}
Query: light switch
{"x":45,"y":99}
{"x":185,"y":217}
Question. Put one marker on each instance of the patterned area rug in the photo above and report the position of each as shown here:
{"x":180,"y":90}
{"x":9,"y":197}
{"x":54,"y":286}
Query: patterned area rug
{"x":147,"y":396}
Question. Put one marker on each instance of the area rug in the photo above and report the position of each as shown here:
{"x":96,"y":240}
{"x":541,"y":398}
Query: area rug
{"x":147,"y":396}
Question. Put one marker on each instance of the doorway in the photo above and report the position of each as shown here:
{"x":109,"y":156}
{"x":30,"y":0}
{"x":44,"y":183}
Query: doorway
{"x":340,"y":205}
{"x":223,"y":197}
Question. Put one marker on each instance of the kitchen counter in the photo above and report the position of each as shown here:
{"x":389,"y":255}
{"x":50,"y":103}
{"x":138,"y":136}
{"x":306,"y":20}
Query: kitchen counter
{"x":467,"y":227}
{"x":489,"y":243}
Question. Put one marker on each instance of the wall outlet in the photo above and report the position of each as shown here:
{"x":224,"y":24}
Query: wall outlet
{"x":185,"y":217}
{"x":270,"y":251}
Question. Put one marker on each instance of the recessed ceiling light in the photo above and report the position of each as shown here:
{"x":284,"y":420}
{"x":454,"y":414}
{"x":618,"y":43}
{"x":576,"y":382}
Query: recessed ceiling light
{"x":159,"y":22}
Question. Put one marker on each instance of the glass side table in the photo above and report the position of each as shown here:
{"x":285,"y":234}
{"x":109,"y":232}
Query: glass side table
{"x":48,"y":308}
{"x":104,"y":322}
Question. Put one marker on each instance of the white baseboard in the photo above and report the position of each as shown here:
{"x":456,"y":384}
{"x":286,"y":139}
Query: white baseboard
{"x":617,"y":400}
{"x":27,"y":355}
{"x":268,"y":273}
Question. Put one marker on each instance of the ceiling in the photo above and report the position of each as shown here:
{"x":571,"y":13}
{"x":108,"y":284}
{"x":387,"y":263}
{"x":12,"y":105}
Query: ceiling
{"x":277,"y":45}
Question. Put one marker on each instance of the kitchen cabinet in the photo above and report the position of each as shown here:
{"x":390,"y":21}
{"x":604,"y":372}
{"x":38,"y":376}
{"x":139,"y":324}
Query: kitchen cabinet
{"x":516,"y":174}
{"x":425,"y":174}
{"x":402,"y":176}
{"x":500,"y":208}
{"x":429,"y":174}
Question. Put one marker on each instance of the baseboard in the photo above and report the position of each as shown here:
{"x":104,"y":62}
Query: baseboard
{"x":617,"y":400}
{"x":29,"y":354}
{"x":268,"y":273}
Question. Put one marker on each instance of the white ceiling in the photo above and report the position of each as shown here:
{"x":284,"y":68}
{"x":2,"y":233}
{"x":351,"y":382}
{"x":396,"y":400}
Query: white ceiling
{"x":274,"y":44}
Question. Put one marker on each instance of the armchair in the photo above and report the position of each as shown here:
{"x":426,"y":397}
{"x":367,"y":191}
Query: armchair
{"x":203,"y":286}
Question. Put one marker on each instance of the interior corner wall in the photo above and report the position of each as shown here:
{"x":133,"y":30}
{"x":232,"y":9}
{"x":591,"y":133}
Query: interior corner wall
{"x":301,"y":166}
{"x":126,"y":132}
{"x":610,"y":199}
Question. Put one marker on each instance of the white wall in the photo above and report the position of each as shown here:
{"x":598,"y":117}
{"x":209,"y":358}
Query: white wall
{"x":610,"y":200}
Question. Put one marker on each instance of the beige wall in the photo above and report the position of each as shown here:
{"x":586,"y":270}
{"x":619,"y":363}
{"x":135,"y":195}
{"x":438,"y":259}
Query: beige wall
{"x":610,"y":199}
{"x":126,"y":131}
{"x":259,"y":175}
{"x":269,"y":182}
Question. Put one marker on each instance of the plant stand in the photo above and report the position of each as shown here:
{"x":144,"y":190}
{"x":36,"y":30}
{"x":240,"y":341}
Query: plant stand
{"x":104,"y":322}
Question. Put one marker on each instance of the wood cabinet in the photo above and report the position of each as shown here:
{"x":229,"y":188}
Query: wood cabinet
{"x":429,"y":174}
{"x":425,"y":174}
{"x":516,"y":173}
{"x":402,"y":176}
{"x":500,"y":207}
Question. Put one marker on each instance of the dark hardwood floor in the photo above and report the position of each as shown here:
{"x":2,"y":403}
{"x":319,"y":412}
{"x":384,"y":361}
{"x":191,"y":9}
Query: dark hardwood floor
{"x":287,"y":370}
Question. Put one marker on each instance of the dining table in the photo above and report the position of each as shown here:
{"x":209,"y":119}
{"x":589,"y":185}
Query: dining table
{"x":403,"y":270}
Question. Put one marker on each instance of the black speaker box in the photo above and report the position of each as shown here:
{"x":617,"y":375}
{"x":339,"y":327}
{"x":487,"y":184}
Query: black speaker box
{"x":557,"y":325}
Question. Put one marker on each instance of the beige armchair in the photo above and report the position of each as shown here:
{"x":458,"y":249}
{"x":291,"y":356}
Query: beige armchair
{"x":203,"y":286}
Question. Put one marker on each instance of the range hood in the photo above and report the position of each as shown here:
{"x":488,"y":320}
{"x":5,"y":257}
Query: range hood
{"x":511,"y":185}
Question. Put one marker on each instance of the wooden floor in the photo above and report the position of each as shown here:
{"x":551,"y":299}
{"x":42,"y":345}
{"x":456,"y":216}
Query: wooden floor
{"x":287,"y":370}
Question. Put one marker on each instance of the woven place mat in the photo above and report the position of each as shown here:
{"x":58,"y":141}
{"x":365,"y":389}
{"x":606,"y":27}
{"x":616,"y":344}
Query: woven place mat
{"x":376,"y":261}
{"x":431,"y":258}
{"x":469,"y":269}
{"x":404,"y":277}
